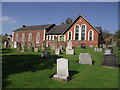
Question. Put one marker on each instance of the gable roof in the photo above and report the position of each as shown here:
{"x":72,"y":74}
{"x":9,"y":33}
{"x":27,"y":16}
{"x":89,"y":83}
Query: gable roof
{"x":34,"y":27}
{"x":58,"y":29}
{"x":76,"y":20}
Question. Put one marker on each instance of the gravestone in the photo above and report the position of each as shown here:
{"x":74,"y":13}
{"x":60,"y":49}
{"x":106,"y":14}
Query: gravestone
{"x":30,"y":47}
{"x":110,"y":60}
{"x":5,"y":44}
{"x":35,"y":49}
{"x":91,"y":46}
{"x":57,"y":51}
{"x":108,"y":52}
{"x":15,"y":44}
{"x":69,"y":45}
{"x":60,"y":47}
{"x":22,"y":46}
{"x":85,"y":58}
{"x":62,"y":70}
{"x":18,"y":46}
{"x":12,"y":45}
{"x":104,"y":45}
{"x":70,"y":51}
{"x":45,"y":54}
{"x":98,"y":49}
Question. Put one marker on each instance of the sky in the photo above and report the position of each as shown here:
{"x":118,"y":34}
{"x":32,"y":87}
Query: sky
{"x":16,"y":14}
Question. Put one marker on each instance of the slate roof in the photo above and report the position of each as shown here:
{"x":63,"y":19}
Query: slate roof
{"x":58,"y":29}
{"x":35,"y":27}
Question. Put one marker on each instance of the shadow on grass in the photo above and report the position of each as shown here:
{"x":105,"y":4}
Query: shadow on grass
{"x":72,"y":73}
{"x":13,"y":64}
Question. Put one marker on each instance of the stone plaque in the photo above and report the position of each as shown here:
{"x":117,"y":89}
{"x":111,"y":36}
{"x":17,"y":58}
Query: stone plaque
{"x":57,"y":51}
{"x":110,"y":60}
{"x":62,"y":70}
{"x":85,"y":58}
{"x":108,"y":52}
{"x":98,"y":49}
{"x":70,"y":51}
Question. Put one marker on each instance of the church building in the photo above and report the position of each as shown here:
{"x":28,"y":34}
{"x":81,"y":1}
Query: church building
{"x":80,"y":31}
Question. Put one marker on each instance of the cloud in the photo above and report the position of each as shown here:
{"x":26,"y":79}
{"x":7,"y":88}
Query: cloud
{"x":7,"y":20}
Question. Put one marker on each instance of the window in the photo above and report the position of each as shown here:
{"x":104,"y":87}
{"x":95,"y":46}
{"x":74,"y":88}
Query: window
{"x":51,"y":37}
{"x":16,"y":37}
{"x":61,"y":38}
{"x":23,"y":37}
{"x":90,"y":36}
{"x":70,"y":35}
{"x":77,"y":32}
{"x":83,"y":33}
{"x":30,"y":37}
{"x":38,"y":37}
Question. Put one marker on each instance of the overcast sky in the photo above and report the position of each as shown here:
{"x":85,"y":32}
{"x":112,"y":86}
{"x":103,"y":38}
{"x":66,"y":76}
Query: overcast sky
{"x":15,"y":14}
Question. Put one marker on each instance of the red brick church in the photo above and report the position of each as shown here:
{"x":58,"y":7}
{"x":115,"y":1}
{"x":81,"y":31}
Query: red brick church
{"x":79,"y":31}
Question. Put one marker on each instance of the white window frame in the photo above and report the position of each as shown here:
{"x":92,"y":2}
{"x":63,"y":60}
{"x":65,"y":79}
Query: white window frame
{"x":29,"y":36}
{"x":23,"y":37}
{"x":37,"y":37}
{"x":92,"y":35}
{"x":79,"y":38}
{"x":68,"y":35}
{"x":16,"y":36}
{"x":85,"y":30}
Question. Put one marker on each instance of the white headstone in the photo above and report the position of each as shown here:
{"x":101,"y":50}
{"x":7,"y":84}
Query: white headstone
{"x":70,"y":51}
{"x":69,"y":44}
{"x":57,"y":51}
{"x":15,"y":44}
{"x":62,"y":70}
{"x":98,"y":49}
{"x":85,"y":58}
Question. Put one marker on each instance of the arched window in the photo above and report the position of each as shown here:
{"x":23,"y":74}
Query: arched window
{"x":61,"y":38}
{"x":38,"y":37}
{"x":77,"y":32}
{"x":69,"y":35}
{"x":30,"y":37}
{"x":23,"y":37}
{"x":16,"y":36}
{"x":90,"y":35}
{"x":83,"y":33}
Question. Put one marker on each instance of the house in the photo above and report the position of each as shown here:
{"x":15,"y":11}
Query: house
{"x":79,"y":31}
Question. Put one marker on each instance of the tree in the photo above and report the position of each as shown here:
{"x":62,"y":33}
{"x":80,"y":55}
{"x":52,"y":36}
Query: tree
{"x":68,"y":20}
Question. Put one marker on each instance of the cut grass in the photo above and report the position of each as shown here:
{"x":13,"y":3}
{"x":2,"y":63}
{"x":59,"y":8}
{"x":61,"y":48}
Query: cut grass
{"x":29,"y":70}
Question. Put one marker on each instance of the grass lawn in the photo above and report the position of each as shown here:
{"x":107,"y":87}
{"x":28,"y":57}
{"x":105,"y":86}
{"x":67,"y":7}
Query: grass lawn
{"x":29,"y":70}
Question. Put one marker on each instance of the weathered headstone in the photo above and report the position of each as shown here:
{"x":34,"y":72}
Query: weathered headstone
{"x":35,"y":49}
{"x":91,"y":46}
{"x":60,"y":47}
{"x":69,"y":45}
{"x":70,"y":51}
{"x":110,"y":60}
{"x":22,"y":47}
{"x":62,"y":70}
{"x":57,"y":51}
{"x":45,"y":54}
{"x":108,"y":52}
{"x":104,"y":45}
{"x":15,"y":44}
{"x":98,"y":49}
{"x":5,"y":44}
{"x":30,"y":47}
{"x":85,"y":58}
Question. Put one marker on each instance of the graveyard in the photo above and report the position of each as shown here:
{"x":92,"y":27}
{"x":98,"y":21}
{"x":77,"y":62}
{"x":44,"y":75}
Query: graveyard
{"x":30,"y":70}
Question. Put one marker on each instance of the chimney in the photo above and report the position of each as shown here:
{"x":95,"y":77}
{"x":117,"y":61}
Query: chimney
{"x":24,"y":25}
